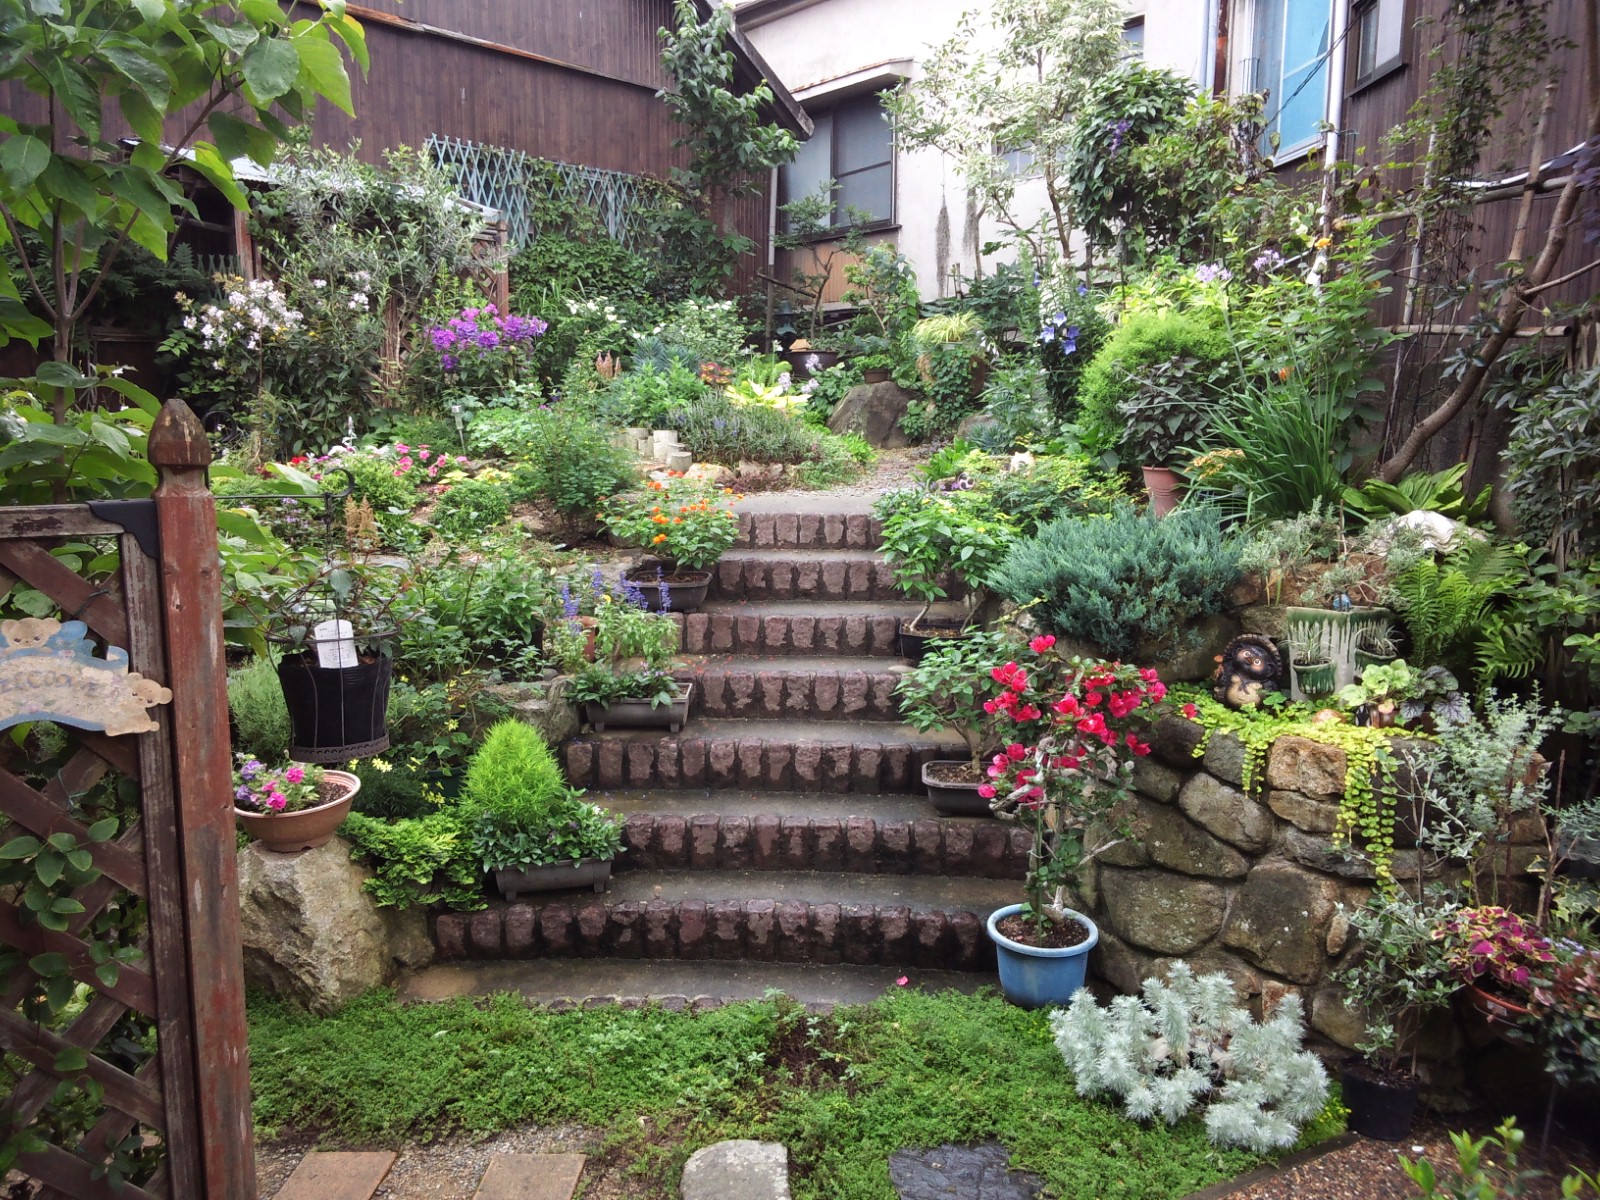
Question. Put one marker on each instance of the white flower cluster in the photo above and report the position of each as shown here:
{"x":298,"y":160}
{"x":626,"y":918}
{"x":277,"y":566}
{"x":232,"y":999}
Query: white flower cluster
{"x":595,"y":308}
{"x":1186,"y":1042}
{"x":251,"y":316}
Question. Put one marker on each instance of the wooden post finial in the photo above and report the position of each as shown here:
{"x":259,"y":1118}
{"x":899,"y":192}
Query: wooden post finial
{"x":177,"y":439}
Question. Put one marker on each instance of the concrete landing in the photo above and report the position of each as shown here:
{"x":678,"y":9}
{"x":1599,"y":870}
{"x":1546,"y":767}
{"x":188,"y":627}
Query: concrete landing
{"x":531,"y":1177}
{"x":678,"y":984}
{"x":737,"y":1170}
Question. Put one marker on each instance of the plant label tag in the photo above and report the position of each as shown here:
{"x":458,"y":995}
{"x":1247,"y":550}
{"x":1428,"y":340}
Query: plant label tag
{"x":336,"y":644}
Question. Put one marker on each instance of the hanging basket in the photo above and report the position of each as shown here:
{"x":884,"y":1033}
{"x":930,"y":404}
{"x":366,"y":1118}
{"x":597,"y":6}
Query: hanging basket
{"x":336,"y":713}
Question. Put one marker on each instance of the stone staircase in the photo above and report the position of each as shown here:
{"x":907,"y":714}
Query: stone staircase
{"x":786,"y":824}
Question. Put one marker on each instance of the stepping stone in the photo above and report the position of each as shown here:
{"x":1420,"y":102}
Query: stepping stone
{"x":337,"y":1175}
{"x":981,"y":1172}
{"x":738,"y":1170}
{"x":530,"y":1177}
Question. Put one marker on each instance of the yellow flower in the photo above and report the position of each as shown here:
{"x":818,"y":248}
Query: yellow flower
{"x":1322,"y":243}
{"x":377,"y":764}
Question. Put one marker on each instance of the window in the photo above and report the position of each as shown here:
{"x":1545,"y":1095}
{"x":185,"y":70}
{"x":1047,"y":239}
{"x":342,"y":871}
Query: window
{"x":1133,"y":40}
{"x":853,"y":145}
{"x":1377,"y":37}
{"x":1291,"y":40}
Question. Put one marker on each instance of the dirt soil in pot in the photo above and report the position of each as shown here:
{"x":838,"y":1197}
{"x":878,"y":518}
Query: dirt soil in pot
{"x":1057,"y":935}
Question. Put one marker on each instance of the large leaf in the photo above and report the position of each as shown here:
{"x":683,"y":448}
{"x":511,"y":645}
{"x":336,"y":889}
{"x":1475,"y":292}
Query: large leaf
{"x":23,"y":158}
{"x":271,"y":68}
{"x":352,"y":35}
{"x":64,"y":179}
{"x":77,"y":93}
{"x":217,"y":169}
{"x":141,"y":115}
{"x":240,"y":139}
{"x":323,"y":66}
{"x":147,"y":74}
{"x":235,"y":37}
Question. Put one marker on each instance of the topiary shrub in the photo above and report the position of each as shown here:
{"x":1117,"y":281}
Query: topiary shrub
{"x":1131,"y":584}
{"x":469,"y":508}
{"x":1138,"y":349}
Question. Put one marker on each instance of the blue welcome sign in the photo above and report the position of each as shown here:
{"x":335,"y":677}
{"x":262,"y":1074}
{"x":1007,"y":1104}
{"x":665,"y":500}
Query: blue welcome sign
{"x":49,"y":672}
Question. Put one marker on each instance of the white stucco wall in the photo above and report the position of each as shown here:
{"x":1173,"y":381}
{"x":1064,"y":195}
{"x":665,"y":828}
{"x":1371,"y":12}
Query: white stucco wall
{"x":834,"y":39}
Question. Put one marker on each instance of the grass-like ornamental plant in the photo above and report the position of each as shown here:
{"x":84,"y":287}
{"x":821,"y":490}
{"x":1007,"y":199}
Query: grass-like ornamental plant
{"x":680,"y":521}
{"x":1131,"y":584}
{"x":522,"y":813}
{"x":1186,"y":1042}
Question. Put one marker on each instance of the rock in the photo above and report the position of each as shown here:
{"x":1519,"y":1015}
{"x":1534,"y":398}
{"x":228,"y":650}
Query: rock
{"x":1269,"y":620}
{"x":737,"y":1170}
{"x":713,"y":473}
{"x":981,"y":1172}
{"x":1174,"y":738}
{"x":1155,"y":781}
{"x":1304,"y":813}
{"x":1438,"y":531}
{"x":679,"y":460}
{"x":874,"y":411}
{"x":1119,"y":964}
{"x":1224,"y":758}
{"x":1175,"y":842}
{"x":1338,"y":933}
{"x":1197,"y":661}
{"x":1279,"y":921}
{"x":1160,"y":912}
{"x":752,"y":472}
{"x":1227,"y":812}
{"x":1298,"y":764}
{"x":310,"y":932}
{"x":542,"y":704}
{"x":974,"y":425}
{"x":1335,"y":1018}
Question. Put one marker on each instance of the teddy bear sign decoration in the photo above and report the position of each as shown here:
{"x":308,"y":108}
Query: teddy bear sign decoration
{"x":49,"y":672}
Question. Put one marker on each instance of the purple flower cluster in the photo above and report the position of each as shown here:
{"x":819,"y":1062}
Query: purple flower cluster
{"x":632,"y":594}
{"x":1268,"y":261}
{"x":1212,"y":273}
{"x":482,"y":331}
{"x":1060,"y":332}
{"x":1119,"y":131}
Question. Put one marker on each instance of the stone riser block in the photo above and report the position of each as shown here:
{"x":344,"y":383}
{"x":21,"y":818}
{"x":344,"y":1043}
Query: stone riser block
{"x":650,"y":760}
{"x":780,"y":578}
{"x":794,"y":931}
{"x":846,"y":634}
{"x":797,"y":695}
{"x":809,"y":531}
{"x":860,"y":845}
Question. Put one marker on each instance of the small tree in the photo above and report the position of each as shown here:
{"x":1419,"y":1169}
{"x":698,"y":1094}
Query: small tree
{"x":242,"y":71}
{"x":730,"y":146}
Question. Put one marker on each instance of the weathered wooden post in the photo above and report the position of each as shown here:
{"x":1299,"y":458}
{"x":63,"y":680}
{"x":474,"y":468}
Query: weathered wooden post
{"x":191,"y":595}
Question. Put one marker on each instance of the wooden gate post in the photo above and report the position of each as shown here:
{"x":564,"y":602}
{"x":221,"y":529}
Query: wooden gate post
{"x":203,"y":781}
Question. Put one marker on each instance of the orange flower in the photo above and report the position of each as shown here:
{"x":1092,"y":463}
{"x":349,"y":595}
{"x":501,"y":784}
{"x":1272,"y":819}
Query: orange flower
{"x":1284,"y":373}
{"x":677,"y":520}
{"x":658,"y":539}
{"x":659,"y":519}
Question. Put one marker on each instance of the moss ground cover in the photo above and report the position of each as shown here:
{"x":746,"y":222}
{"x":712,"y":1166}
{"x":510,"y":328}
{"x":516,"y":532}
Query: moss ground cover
{"x":843,"y":1091}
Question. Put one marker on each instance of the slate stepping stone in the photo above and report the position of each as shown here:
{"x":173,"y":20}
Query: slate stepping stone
{"x":530,"y":1177}
{"x":737,"y":1170}
{"x":337,"y":1175}
{"x":981,"y":1172}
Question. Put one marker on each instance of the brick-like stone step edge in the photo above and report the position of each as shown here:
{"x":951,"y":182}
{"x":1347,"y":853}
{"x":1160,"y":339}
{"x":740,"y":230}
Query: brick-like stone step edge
{"x":847,"y":634}
{"x":779,"y":578}
{"x":748,"y":930}
{"x":796,"y":694}
{"x":685,"y":761}
{"x":809,"y":531}
{"x":861,"y":845}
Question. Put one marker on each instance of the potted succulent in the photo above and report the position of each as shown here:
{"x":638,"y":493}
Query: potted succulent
{"x":685,"y":526}
{"x":337,"y":636}
{"x":949,"y":689}
{"x":1067,"y":778}
{"x":1312,"y":665}
{"x":621,"y":664}
{"x":930,"y":537}
{"x":1400,"y":975}
{"x":526,"y":825}
{"x":291,"y":807}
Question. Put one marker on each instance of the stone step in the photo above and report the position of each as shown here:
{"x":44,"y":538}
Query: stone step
{"x":738,"y":831}
{"x":798,"y":628}
{"x":675,"y":984}
{"x":763,"y":916}
{"x":803,"y":575}
{"x":804,"y":689}
{"x":815,"y":530}
{"x":776,"y":756}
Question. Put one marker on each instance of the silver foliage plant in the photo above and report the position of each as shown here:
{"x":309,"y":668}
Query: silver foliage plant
{"x":1185,"y":1042}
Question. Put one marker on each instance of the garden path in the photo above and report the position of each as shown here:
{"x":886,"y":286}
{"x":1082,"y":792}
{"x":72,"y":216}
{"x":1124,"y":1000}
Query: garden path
{"x":782,"y":838}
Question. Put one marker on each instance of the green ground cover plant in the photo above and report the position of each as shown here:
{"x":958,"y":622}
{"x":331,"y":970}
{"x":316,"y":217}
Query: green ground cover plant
{"x":843,"y":1091}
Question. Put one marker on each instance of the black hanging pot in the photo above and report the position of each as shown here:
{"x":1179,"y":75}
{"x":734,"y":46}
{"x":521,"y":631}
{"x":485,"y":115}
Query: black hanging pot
{"x":336,"y":713}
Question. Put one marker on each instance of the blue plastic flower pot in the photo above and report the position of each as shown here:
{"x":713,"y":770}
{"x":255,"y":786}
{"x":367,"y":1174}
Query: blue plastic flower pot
{"x":1034,"y":977}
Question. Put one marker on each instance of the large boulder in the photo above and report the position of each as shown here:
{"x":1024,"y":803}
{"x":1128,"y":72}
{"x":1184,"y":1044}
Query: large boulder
{"x":874,"y":410}
{"x":1156,"y":911}
{"x":1280,"y":920}
{"x":313,"y":934}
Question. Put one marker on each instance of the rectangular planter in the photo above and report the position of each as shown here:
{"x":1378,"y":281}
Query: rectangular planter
{"x":588,"y":872}
{"x":640,"y":714}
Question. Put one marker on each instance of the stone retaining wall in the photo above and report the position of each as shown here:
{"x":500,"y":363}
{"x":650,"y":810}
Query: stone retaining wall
{"x":1251,"y":885}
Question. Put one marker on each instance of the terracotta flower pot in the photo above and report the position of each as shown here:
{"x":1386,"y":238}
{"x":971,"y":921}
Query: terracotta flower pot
{"x":1165,"y":488}
{"x":287,"y":833}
